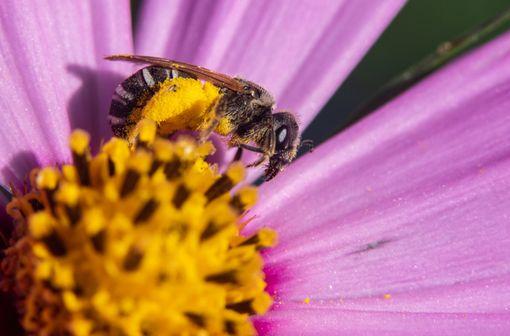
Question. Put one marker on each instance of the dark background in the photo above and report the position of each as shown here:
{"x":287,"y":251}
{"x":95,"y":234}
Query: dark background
{"x":416,"y":32}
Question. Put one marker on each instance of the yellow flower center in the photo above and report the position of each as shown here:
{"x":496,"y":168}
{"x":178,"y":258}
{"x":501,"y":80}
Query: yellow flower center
{"x":141,"y":241}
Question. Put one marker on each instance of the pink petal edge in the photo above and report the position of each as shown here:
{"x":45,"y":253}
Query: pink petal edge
{"x":403,"y":220}
{"x":54,"y":78}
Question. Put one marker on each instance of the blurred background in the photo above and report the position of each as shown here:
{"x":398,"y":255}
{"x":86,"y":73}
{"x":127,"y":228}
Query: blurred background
{"x":417,"y":32}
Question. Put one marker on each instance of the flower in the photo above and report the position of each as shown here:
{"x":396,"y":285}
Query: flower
{"x":397,"y":226}
{"x":130,"y":242}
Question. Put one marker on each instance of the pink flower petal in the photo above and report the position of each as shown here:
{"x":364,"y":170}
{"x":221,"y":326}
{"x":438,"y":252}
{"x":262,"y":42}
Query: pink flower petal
{"x":299,"y":50}
{"x":53,"y":76}
{"x":310,"y":321}
{"x":411,"y":204}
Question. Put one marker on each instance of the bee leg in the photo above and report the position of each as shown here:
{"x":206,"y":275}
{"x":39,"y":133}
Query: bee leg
{"x":252,"y":148}
{"x":264,"y":155}
{"x":258,"y":162}
{"x":239,"y":154}
{"x":134,"y":132}
{"x":206,"y":132}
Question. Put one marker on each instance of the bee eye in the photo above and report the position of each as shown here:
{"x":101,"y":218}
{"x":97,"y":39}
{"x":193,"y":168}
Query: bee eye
{"x":281,"y":135}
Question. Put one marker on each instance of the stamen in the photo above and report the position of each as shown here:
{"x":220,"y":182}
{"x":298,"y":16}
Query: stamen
{"x":98,"y":241}
{"x":223,"y":278}
{"x":111,"y":167}
{"x":226,"y":182}
{"x":230,"y":327}
{"x":55,"y":244}
{"x":136,"y":242}
{"x":155,"y":165}
{"x":172,"y":169}
{"x":209,"y":231}
{"x":197,"y":319}
{"x":262,"y":239}
{"x":133,"y":259}
{"x":181,"y":195}
{"x":74,"y":214}
{"x":244,"y":199}
{"x":243,"y":307}
{"x":79,"y":145}
{"x":146,"y":212}
{"x":47,"y":182}
{"x":130,"y":181}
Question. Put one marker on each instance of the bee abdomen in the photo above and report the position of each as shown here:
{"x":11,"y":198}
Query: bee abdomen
{"x":134,"y":92}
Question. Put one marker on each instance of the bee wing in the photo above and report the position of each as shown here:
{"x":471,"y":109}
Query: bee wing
{"x":215,"y":78}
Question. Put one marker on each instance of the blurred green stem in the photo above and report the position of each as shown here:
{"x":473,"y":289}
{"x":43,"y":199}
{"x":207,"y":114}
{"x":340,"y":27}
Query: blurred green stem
{"x":446,"y":52}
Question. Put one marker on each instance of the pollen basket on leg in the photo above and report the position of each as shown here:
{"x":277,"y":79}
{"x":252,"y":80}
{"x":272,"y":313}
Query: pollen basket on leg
{"x":181,"y":103}
{"x":135,"y":241}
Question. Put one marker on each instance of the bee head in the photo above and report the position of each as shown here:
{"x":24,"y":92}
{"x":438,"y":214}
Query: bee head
{"x":287,"y":141}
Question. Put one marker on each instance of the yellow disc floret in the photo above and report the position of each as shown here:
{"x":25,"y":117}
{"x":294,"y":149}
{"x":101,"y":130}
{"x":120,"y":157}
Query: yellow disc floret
{"x":136,"y":242}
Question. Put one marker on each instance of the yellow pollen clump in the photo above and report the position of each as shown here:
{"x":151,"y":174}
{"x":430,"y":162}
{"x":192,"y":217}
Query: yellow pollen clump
{"x":136,"y":242}
{"x":182,"y":103}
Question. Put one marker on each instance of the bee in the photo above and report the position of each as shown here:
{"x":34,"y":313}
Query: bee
{"x":243,"y":105}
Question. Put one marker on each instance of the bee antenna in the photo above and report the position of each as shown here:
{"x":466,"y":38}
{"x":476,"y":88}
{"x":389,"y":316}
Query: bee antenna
{"x":308,"y":143}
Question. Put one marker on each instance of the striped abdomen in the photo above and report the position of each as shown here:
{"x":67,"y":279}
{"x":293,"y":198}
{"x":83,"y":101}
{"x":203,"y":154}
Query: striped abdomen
{"x":133,"y":93}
